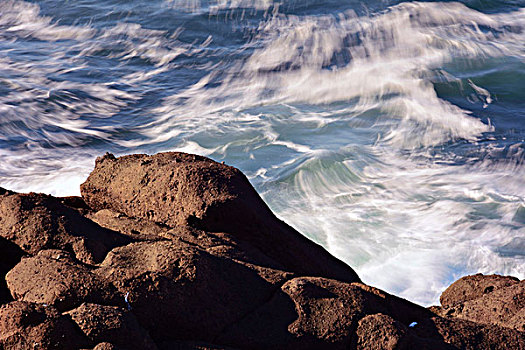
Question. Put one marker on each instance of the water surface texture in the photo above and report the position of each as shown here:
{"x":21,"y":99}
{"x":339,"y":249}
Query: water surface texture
{"x":390,"y":132}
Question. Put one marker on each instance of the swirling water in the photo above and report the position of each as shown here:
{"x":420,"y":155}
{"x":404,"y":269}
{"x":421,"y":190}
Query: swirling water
{"x":392,"y":133}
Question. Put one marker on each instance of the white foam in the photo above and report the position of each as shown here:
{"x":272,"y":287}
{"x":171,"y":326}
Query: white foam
{"x":334,"y":119}
{"x":380,"y":62}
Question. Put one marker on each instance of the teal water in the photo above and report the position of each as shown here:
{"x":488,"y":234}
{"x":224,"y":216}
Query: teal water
{"x":392,"y":133}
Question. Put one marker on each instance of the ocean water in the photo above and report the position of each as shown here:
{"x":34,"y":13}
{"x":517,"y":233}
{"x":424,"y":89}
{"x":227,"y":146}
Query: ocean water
{"x":390,"y":132}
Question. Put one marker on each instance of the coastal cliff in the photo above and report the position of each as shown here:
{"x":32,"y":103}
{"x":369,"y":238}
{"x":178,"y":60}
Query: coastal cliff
{"x":176,"y":251}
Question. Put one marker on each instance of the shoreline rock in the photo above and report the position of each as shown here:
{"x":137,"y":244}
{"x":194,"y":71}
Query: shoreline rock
{"x":176,"y":251}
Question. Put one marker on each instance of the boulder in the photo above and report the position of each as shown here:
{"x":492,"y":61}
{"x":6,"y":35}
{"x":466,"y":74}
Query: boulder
{"x":178,"y":189}
{"x":113,"y":325}
{"x":53,"y":277}
{"x":381,"y":332}
{"x":37,"y":221}
{"x":473,"y":287}
{"x":317,"y":313}
{"x":179,"y":291}
{"x":26,"y":325}
{"x":497,"y":300}
{"x":216,"y":243}
{"x":105,"y":346}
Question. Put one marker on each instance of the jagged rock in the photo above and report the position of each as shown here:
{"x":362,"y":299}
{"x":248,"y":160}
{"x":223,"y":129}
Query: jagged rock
{"x":112,"y":325}
{"x":52,"y":277}
{"x":26,"y":325}
{"x":175,"y":189}
{"x":37,"y":221}
{"x":498,"y":300}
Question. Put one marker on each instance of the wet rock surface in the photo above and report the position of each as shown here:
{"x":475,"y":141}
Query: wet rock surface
{"x":176,"y":251}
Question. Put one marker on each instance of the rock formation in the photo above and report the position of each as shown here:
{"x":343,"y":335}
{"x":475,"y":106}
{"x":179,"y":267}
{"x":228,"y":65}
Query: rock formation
{"x":176,"y":251}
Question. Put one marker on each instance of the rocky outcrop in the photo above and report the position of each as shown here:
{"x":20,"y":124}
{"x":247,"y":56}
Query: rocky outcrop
{"x":178,"y":189}
{"x":176,"y":251}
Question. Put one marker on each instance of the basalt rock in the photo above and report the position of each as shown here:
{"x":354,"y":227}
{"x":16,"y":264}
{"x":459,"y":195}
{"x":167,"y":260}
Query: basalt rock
{"x":175,"y":251}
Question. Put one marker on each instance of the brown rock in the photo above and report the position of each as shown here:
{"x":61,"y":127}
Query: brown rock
{"x":211,"y":268}
{"x":52,"y":277}
{"x":473,"y":287}
{"x":191,"y":345}
{"x":26,"y":325}
{"x":497,"y":300}
{"x":468,"y":335}
{"x":381,"y":332}
{"x":133,"y":227}
{"x":111,"y":324}
{"x":316,"y":313}
{"x":37,"y":221}
{"x":105,"y":346}
{"x":175,"y":189}
{"x":216,"y":243}
{"x":179,"y":291}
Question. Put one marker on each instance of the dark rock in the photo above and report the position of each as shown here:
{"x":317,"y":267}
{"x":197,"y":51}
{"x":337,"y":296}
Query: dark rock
{"x":316,"y":313}
{"x":469,"y":335}
{"x":111,"y":324}
{"x":216,"y":243}
{"x":36,"y":221}
{"x":105,"y":346}
{"x":175,"y":189}
{"x":381,"y":332}
{"x":190,"y":345}
{"x":10,"y":255}
{"x":26,"y":325}
{"x":52,"y":277}
{"x":180,"y":291}
{"x":75,"y":202}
